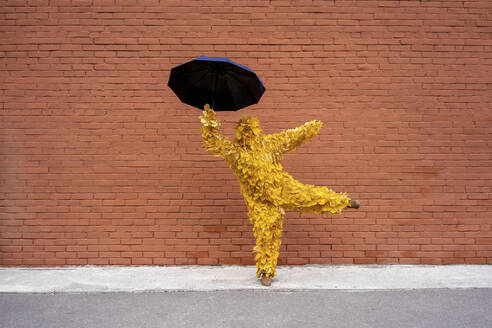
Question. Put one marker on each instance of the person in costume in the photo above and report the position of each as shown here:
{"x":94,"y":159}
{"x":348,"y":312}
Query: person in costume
{"x":267,"y":189}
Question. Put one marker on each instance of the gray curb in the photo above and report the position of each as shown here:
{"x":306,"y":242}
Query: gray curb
{"x":213,"y":278}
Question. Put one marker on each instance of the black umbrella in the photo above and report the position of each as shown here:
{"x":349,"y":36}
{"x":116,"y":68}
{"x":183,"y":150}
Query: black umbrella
{"x":217,"y":81}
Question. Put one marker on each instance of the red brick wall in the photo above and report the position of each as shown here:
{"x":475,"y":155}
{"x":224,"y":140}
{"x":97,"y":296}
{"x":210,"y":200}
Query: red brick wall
{"x":101,"y":164}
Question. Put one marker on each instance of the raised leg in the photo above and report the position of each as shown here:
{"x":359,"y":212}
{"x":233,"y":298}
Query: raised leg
{"x":313,"y":199}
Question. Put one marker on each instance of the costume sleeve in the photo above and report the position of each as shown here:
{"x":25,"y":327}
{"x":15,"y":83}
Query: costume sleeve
{"x":288,"y":140}
{"x":213,"y":139}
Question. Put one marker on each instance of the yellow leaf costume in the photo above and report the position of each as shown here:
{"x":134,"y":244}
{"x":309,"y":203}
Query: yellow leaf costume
{"x":266,"y":188}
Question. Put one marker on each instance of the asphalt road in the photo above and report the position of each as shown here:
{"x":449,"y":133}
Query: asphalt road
{"x":251,"y":308}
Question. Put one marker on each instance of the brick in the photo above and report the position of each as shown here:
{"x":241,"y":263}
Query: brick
{"x":117,"y":170}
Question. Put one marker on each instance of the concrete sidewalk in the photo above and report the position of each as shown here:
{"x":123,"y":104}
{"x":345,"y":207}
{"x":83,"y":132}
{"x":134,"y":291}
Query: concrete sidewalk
{"x":215,"y":278}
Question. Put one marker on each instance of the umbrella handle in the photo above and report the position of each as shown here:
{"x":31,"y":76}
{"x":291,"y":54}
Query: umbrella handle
{"x":214,"y":92}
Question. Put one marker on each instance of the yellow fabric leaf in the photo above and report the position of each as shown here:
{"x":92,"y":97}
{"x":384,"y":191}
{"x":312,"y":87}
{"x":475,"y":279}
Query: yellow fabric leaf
{"x":267,"y":189}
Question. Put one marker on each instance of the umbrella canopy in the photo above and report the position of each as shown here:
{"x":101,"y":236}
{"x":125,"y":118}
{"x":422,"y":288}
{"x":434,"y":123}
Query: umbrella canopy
{"x":217,"y":81}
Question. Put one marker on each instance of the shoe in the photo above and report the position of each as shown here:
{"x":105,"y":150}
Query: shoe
{"x":265,"y":281}
{"x":355,"y":204}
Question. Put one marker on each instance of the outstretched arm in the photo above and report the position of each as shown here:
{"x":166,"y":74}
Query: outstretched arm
{"x":289,"y":139}
{"x":213,"y":140}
